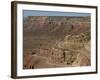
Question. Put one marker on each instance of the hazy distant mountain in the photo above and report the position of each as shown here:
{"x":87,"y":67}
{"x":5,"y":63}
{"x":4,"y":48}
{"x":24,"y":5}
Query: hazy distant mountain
{"x":55,"y":25}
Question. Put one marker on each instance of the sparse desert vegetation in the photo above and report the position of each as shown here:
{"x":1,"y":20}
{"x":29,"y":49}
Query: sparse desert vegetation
{"x":56,"y":41}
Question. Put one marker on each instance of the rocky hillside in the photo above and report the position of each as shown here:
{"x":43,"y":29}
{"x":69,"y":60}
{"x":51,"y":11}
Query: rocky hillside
{"x":56,"y":41}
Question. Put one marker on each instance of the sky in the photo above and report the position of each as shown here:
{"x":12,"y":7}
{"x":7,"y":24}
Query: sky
{"x":51,"y":13}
